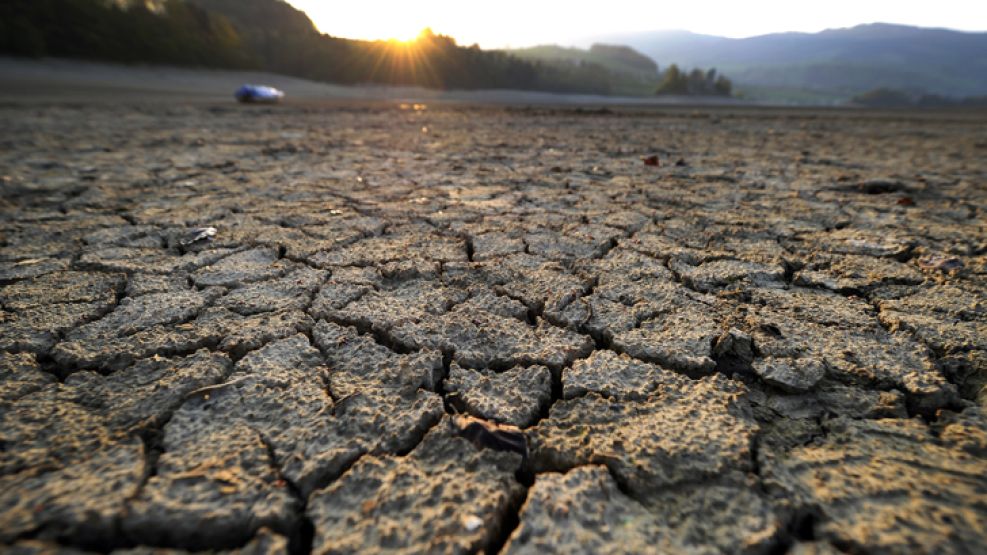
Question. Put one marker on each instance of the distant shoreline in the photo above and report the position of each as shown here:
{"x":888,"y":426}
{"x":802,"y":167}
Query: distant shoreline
{"x":57,"y":80}
{"x":63,"y":81}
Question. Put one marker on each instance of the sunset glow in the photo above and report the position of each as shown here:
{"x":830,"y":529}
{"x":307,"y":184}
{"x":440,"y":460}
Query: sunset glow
{"x":527,"y":22}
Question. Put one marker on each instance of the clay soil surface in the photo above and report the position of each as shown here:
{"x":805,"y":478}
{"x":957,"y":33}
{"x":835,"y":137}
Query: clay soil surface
{"x":774,"y":340}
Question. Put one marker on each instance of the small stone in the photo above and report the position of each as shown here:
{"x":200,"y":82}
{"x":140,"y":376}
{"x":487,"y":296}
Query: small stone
{"x":795,"y":375}
{"x":472,"y":522}
{"x":198,"y":234}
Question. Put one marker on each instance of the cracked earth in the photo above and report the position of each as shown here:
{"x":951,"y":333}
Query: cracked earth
{"x":774,"y":342}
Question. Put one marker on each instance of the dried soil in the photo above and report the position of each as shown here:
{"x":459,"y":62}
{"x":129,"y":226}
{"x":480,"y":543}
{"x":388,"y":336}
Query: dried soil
{"x":774,"y":341}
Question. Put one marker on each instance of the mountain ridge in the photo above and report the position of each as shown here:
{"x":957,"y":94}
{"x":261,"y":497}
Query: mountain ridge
{"x":840,"y":62}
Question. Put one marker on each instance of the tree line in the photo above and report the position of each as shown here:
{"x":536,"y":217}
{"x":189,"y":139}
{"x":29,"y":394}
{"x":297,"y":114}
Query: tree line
{"x":696,"y":82}
{"x":893,"y":98}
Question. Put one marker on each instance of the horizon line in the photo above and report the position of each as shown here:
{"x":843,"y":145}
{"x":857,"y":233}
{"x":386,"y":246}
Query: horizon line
{"x":575,"y":42}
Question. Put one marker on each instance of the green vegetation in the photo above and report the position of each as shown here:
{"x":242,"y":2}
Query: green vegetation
{"x":696,"y":82}
{"x":178,"y":33}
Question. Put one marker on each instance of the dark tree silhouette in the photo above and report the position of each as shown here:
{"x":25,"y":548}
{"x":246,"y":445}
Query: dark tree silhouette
{"x":697,"y":82}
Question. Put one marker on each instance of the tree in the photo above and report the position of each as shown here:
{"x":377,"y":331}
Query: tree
{"x":696,"y":82}
{"x":723,"y":86}
{"x":673,"y":82}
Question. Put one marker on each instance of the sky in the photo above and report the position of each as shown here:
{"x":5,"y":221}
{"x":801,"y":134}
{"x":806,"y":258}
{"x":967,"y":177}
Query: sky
{"x":503,"y":23}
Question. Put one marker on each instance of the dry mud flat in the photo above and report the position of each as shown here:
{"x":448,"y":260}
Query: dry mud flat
{"x":774,"y":342}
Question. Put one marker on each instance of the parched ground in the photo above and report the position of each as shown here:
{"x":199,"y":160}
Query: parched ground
{"x":775,"y":341}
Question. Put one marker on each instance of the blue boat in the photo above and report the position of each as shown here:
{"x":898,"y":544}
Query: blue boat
{"x":258,"y":94}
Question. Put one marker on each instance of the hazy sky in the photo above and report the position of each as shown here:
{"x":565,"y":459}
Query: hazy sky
{"x":496,"y":23}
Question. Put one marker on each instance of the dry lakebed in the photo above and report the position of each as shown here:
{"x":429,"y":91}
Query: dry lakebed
{"x":387,"y":328}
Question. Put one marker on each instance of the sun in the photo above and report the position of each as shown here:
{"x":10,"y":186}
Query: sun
{"x":409,"y":39}
{"x":408,"y":62}
{"x":388,"y":21}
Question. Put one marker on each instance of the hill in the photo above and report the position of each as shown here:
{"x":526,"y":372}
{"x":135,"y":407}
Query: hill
{"x":632,"y":73}
{"x":272,"y":17}
{"x":164,"y":31}
{"x":618,"y":59}
{"x":833,"y":64}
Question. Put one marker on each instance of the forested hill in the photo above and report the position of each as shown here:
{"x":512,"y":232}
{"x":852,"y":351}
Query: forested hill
{"x":273,"y":36}
{"x":618,"y":59}
{"x":837,"y":62}
{"x":166,"y":32}
{"x":274,"y":18}
{"x":631,"y":73}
